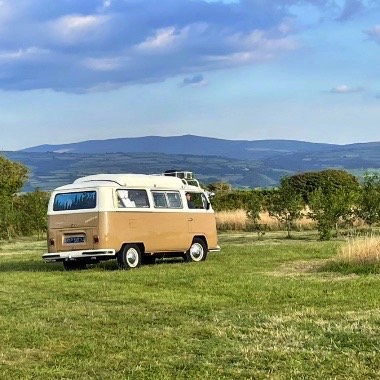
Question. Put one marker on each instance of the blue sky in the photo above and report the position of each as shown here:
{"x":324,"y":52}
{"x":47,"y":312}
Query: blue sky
{"x":75,"y":70}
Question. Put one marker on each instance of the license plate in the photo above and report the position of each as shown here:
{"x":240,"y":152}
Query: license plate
{"x":74,"y":239}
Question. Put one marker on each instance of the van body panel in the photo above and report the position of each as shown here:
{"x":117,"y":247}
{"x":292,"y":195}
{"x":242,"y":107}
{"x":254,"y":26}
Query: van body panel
{"x":202,"y":223}
{"x":73,"y":231}
{"x":158,"y":231}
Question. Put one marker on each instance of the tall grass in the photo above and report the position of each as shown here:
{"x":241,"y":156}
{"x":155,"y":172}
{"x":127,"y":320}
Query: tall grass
{"x":361,"y":250}
{"x":237,"y":220}
{"x":358,"y":255}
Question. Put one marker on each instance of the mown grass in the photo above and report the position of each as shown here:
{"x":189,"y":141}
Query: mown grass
{"x":258,"y":309}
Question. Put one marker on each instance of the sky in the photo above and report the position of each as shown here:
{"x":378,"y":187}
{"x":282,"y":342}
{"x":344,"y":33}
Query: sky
{"x":76,"y":70}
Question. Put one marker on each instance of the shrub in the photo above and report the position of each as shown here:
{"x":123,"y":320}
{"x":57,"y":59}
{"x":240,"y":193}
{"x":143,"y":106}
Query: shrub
{"x":307,"y":183}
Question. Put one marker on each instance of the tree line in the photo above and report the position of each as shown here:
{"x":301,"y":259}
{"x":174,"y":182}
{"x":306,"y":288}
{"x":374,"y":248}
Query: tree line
{"x":20,"y":214}
{"x":331,"y":198}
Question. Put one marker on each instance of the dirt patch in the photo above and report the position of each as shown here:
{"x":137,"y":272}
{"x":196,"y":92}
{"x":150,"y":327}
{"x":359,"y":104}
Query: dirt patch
{"x":309,"y":268}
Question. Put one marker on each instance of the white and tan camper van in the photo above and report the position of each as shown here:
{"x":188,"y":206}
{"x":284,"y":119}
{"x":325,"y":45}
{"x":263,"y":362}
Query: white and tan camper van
{"x":133,"y":218}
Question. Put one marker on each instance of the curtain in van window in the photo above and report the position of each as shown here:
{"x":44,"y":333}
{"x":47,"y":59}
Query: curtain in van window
{"x":132,"y":198}
{"x":81,"y":200}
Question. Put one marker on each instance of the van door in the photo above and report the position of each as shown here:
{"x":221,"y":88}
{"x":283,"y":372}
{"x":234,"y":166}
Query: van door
{"x":74,"y":222}
{"x":201,"y":217}
{"x":170,"y":222}
{"x":74,"y":231}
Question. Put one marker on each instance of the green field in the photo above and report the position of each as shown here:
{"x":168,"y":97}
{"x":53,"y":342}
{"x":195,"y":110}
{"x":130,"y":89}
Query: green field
{"x":258,"y":309}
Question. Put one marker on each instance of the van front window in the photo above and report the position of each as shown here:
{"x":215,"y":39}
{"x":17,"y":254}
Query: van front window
{"x":81,"y":200}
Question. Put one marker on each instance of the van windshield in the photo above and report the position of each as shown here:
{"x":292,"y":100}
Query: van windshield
{"x":81,"y":200}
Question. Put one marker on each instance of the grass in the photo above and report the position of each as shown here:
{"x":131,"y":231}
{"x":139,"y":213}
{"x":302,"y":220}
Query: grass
{"x":258,"y":309}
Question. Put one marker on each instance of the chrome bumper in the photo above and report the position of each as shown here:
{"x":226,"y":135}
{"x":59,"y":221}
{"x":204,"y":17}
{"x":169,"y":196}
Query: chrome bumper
{"x":73,"y":255}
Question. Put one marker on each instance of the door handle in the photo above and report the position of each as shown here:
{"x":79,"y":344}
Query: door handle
{"x":190,"y":219}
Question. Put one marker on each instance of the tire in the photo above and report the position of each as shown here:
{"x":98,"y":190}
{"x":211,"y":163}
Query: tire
{"x":129,"y":257}
{"x":74,"y":265}
{"x":197,"y":251}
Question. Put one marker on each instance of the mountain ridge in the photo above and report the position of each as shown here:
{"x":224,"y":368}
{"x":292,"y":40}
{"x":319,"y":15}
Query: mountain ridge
{"x":242,"y":163}
{"x":186,"y":144}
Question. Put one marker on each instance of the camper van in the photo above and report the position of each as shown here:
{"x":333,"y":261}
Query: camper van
{"x":133,"y":218}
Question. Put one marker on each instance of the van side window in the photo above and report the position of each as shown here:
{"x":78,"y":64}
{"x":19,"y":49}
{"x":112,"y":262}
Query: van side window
{"x":159,"y":199}
{"x":81,"y":200}
{"x":167,"y":199}
{"x":128,"y":198}
{"x":174,"y":199}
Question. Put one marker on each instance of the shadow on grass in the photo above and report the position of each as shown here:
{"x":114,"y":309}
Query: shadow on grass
{"x":111,"y":265}
{"x":29,"y":266}
{"x":36,"y":266}
{"x":347,"y":268}
{"x":251,"y":237}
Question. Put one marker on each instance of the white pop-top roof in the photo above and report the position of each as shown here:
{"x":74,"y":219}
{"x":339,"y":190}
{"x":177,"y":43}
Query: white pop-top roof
{"x":130,"y":180}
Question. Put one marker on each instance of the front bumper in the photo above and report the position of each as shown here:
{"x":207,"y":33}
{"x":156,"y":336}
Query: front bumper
{"x":91,"y":254}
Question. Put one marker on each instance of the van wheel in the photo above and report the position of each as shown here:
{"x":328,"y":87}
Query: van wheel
{"x":129,"y":257}
{"x":74,"y":265}
{"x":197,"y":251}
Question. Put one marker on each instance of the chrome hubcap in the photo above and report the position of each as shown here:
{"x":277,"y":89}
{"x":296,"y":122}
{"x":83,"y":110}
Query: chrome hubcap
{"x":196,"y":252}
{"x":132,"y":257}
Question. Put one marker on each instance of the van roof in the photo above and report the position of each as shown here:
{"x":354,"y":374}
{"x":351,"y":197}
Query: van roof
{"x":130,"y":180}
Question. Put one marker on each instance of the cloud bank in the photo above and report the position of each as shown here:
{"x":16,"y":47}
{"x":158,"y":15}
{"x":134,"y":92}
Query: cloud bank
{"x":83,"y":46}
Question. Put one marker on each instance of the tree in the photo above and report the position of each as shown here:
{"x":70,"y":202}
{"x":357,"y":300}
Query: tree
{"x":369,"y":200}
{"x":7,"y":216}
{"x":286,"y":205}
{"x":232,"y":200}
{"x":219,"y":186}
{"x":330,"y":205}
{"x":254,"y":207}
{"x":31,"y":213}
{"x":307,"y":183}
{"x":12,"y":178}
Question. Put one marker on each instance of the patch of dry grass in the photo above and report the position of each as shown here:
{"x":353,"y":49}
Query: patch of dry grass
{"x":236,"y":220}
{"x":360,"y":250}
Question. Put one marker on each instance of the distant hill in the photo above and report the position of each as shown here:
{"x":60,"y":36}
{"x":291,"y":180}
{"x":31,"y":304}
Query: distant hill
{"x":188,"y":144}
{"x":50,"y":170}
{"x":241,"y":163}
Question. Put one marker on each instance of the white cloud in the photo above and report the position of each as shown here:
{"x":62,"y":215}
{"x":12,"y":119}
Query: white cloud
{"x":163,"y":39}
{"x":122,"y":42}
{"x":260,"y":40}
{"x":103,"y":64}
{"x":345,"y":89}
{"x":23,"y":54}
{"x":374,"y":33}
{"x":74,"y":28}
